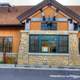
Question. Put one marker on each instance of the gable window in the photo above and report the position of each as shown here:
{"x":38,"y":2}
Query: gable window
{"x":48,"y":26}
{"x":48,"y":44}
{"x":5,"y":44}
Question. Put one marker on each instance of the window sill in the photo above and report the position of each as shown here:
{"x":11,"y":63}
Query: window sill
{"x":49,"y":54}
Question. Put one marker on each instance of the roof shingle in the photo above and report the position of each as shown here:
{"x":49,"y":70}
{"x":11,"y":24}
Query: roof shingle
{"x":76,"y":9}
{"x":8,"y":15}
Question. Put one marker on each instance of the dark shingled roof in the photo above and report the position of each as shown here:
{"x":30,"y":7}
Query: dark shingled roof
{"x":54,"y":3}
{"x":76,"y":9}
{"x":8,"y":15}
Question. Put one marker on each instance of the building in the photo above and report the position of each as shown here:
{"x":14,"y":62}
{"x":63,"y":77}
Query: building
{"x":45,"y":34}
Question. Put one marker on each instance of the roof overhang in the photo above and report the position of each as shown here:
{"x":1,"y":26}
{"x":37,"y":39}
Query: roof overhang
{"x":54,"y":3}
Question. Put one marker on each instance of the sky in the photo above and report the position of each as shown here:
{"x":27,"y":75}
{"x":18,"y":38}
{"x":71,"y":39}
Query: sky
{"x":34,"y":2}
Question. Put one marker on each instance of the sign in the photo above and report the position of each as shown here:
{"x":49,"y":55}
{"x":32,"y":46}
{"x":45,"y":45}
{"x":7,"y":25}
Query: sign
{"x":45,"y":49}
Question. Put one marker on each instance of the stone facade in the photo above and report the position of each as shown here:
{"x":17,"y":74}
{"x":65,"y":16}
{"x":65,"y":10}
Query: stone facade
{"x":23,"y":48}
{"x":71,"y":59}
{"x":74,"y":58}
{"x":54,"y":60}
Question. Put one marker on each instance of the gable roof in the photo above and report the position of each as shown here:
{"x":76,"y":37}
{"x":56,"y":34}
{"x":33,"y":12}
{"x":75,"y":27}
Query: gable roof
{"x":54,"y":3}
{"x":9,"y":15}
{"x":75,"y":8}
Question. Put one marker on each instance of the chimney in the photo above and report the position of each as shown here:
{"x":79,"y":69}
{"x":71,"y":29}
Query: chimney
{"x":6,"y":6}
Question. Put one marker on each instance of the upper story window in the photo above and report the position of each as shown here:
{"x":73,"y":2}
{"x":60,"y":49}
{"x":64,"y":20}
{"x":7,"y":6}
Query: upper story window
{"x":5,"y":44}
{"x":49,"y":26}
{"x":49,"y":23}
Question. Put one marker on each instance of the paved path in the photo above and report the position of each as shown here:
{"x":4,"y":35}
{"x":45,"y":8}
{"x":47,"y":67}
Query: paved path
{"x":32,"y":74}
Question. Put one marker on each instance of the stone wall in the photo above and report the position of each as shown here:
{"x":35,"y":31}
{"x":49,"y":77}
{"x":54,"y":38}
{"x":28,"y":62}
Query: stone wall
{"x":72,"y":59}
{"x":54,"y":60}
{"x":23,"y":48}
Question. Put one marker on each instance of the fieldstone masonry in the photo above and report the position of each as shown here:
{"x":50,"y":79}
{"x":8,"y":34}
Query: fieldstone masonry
{"x":54,"y":60}
{"x":72,"y":59}
{"x":23,"y":48}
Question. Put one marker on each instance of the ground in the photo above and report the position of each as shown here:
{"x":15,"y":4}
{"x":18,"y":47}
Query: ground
{"x":38,"y":74}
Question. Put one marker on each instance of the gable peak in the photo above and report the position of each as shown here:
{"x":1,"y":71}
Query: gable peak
{"x":49,"y":1}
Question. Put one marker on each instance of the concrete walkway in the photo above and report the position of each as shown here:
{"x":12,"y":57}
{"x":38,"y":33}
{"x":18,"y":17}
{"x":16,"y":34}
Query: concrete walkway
{"x":30,"y":72}
{"x":38,"y":74}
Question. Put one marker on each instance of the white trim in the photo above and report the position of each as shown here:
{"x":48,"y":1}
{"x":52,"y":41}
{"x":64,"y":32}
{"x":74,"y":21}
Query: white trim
{"x":71,"y":26}
{"x":49,"y":32}
{"x":51,"y":19}
{"x":36,"y":19}
{"x":27,"y":26}
{"x":43,"y":14}
{"x":56,"y":32}
{"x":61,"y":19}
{"x":74,"y":32}
{"x":49,"y":54}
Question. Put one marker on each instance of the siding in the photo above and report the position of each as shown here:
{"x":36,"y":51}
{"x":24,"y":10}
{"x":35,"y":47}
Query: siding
{"x":49,"y":12}
{"x":16,"y":38}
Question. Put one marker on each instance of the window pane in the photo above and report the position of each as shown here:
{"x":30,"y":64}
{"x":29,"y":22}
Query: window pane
{"x":53,"y":46}
{"x":5,"y":44}
{"x":1,"y":44}
{"x":8,"y":44}
{"x":49,"y":43}
{"x":34,"y":44}
{"x":44,"y":26}
{"x":49,"y":26}
{"x":63,"y":44}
